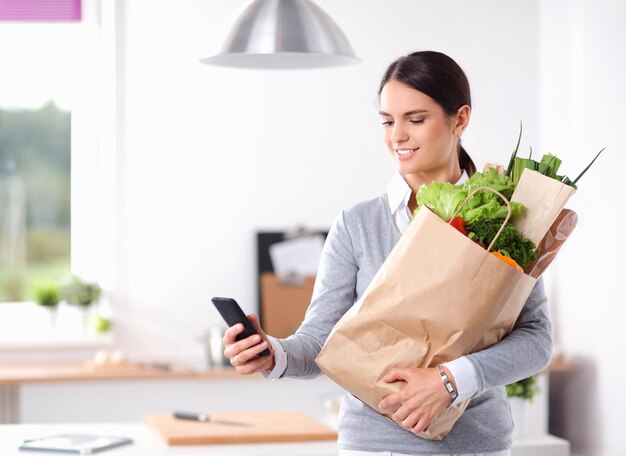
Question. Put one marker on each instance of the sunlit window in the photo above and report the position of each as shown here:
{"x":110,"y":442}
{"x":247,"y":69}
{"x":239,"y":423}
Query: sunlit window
{"x":57,"y":156}
{"x":36,"y":82}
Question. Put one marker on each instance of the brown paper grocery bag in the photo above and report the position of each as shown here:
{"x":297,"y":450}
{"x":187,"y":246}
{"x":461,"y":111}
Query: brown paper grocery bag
{"x":437,"y":296}
{"x":543,"y":198}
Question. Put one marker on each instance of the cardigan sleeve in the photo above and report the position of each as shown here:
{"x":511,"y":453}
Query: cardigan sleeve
{"x":523,"y":352}
{"x":334,"y":293}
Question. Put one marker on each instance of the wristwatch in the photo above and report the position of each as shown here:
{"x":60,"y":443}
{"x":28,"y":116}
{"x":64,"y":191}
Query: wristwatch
{"x":448,"y":384}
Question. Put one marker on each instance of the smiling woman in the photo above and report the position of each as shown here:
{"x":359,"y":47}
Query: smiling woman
{"x":425,"y":107}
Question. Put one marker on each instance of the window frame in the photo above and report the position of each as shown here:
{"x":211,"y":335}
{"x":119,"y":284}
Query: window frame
{"x":94,"y":124}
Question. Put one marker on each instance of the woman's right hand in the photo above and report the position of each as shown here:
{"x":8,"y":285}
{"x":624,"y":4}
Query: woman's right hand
{"x":243,"y":354}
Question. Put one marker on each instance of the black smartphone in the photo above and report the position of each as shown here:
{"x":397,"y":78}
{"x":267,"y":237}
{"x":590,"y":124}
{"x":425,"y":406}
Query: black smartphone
{"x":233,"y":314}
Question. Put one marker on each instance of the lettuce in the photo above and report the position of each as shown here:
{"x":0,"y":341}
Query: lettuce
{"x":491,"y":178}
{"x":487,"y":205}
{"x":444,"y":198}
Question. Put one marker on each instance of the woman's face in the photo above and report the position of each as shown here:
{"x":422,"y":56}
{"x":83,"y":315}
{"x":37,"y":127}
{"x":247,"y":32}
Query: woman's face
{"x":417,"y":132}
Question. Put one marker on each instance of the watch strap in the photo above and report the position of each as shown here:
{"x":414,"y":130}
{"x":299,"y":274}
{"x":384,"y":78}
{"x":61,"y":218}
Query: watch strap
{"x":448,"y":384}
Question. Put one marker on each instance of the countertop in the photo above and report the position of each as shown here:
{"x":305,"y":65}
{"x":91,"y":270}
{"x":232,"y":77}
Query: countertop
{"x":148,"y":443}
{"x":16,"y":374}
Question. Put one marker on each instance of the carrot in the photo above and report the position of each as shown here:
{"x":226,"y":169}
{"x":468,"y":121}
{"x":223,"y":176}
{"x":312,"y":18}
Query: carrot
{"x":508,"y":260}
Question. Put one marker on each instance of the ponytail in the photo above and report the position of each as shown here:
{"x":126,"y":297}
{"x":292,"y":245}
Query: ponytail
{"x":466,"y":162}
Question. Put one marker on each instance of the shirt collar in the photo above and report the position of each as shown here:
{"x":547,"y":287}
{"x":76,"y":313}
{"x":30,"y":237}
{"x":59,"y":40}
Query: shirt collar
{"x":399,"y":192}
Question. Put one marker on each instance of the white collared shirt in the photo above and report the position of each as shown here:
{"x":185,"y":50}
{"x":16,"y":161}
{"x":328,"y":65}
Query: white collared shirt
{"x":398,"y":194}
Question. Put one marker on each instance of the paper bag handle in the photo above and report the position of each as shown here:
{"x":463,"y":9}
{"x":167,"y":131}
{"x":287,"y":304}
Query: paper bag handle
{"x":506,"y":201}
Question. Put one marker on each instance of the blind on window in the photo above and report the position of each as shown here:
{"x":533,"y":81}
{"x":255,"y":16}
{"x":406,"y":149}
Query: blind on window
{"x":40,"y":10}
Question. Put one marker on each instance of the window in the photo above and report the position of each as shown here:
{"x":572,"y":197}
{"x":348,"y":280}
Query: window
{"x":36,"y":88}
{"x":34,"y":197}
{"x":57,"y":158}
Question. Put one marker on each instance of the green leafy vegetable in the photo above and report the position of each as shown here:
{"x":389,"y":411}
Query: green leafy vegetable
{"x":442,"y":198}
{"x":548,"y":166}
{"x":585,"y":170}
{"x":509,"y":243}
{"x":491,"y":178}
{"x":487,"y":205}
{"x":514,"y":154}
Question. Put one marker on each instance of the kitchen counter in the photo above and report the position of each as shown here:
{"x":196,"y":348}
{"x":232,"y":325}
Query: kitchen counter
{"x":17,"y":374}
{"x":148,"y":443}
{"x":15,"y":379}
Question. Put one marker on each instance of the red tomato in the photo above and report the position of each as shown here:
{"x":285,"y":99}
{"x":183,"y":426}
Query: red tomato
{"x":459,"y":224}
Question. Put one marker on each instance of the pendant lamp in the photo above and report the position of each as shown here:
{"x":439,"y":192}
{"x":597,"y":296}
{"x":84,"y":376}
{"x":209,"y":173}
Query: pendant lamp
{"x":284,"y":34}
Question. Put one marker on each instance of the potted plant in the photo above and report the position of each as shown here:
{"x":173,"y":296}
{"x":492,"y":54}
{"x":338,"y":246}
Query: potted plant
{"x":47,"y":295}
{"x":81,"y":293}
{"x":520,"y":393}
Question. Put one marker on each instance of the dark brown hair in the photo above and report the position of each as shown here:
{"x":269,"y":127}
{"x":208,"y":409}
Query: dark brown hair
{"x":442,"y":79}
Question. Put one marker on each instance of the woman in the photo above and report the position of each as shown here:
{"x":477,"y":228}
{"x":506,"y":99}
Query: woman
{"x":425,"y":106}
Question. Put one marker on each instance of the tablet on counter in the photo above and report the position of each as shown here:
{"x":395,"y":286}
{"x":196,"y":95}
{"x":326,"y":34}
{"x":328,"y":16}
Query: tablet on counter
{"x":75,"y":443}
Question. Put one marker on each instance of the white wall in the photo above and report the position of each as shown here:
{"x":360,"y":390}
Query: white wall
{"x":211,"y":155}
{"x":582,"y":110}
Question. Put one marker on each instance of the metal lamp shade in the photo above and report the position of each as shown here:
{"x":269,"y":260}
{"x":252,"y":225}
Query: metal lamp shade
{"x":281,"y":34}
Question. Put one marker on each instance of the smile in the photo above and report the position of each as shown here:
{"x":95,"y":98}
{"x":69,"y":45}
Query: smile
{"x":405,"y":153}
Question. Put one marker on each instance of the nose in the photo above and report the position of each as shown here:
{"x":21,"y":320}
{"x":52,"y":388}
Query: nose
{"x":398,"y":133}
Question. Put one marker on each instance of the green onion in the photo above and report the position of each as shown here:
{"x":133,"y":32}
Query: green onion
{"x":588,"y":166}
{"x":552,"y":163}
{"x":548,"y":166}
{"x":519,"y":165}
{"x":510,"y":167}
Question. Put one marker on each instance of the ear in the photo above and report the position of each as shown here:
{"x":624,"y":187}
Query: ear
{"x":462,"y":119}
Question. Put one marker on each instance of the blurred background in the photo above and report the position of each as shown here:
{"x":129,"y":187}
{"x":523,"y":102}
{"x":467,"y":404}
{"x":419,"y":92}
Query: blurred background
{"x":126,"y":161}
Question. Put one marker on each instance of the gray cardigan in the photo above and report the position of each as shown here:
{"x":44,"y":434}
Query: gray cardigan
{"x":357,"y":245}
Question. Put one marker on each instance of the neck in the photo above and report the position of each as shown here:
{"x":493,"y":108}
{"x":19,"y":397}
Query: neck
{"x":415,"y":180}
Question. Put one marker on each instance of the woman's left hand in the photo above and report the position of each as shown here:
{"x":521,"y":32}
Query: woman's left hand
{"x":422,"y":398}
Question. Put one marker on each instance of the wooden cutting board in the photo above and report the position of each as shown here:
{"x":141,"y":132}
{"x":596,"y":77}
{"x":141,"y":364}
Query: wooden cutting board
{"x":279,"y":426}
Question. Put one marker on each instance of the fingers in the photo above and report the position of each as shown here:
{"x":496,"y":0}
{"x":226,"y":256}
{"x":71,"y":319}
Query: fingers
{"x":391,"y":402}
{"x":248,"y":354}
{"x":397,"y":373}
{"x":237,"y":346}
{"x":417,"y":402}
{"x":248,"y":361}
{"x":421,"y":425}
{"x":230,"y":335}
{"x":244,"y":354}
{"x":255,"y":322}
{"x":256,"y":364}
{"x":414,"y":420}
{"x":402,"y":414}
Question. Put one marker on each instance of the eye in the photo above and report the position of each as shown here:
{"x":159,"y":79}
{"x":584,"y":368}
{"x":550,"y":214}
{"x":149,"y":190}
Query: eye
{"x":386,"y":123}
{"x":416,"y":121}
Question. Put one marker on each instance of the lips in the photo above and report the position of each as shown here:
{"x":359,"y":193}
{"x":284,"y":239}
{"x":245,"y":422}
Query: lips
{"x":405,"y":154}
